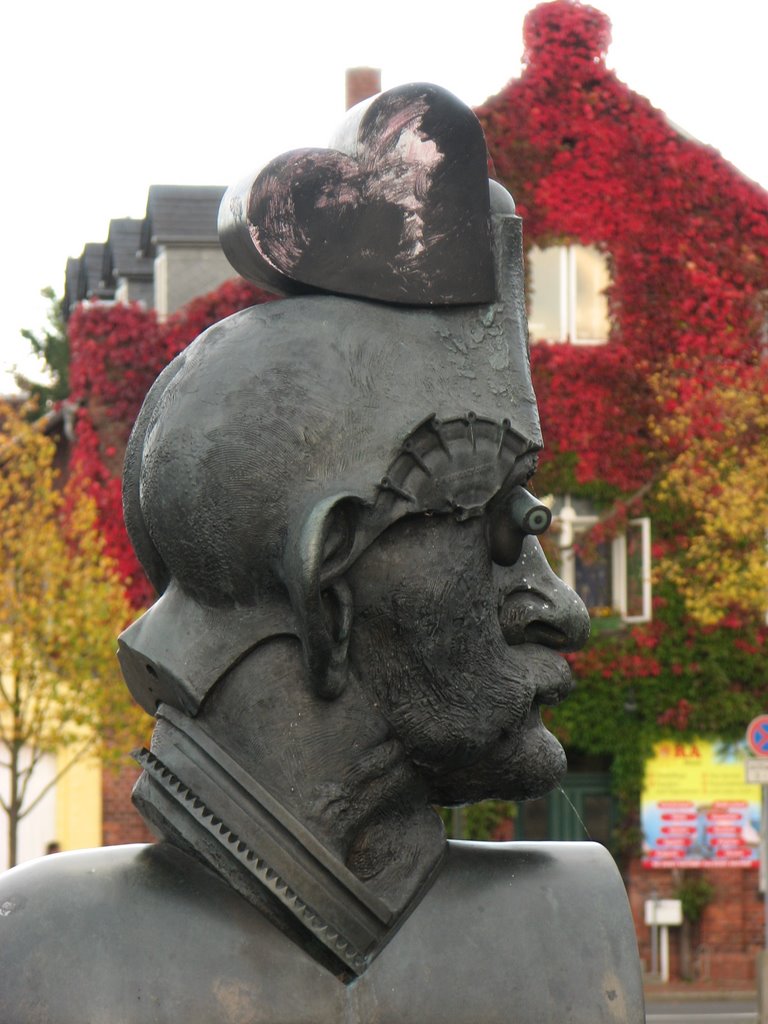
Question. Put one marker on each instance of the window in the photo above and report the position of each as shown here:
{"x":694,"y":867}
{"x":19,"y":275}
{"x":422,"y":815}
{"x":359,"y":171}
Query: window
{"x":581,"y":808}
{"x":617,"y":577}
{"x":568,"y":301}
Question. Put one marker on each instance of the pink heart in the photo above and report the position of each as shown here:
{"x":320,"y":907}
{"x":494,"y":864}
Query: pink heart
{"x":398,"y":210}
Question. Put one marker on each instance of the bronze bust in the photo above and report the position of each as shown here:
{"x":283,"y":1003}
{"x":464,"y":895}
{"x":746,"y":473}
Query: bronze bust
{"x":356,"y":623}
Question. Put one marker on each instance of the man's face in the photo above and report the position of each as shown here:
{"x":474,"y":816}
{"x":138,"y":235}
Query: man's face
{"x":459,"y":653}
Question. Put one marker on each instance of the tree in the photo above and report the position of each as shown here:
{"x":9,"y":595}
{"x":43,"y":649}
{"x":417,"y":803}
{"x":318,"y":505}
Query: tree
{"x":713,"y":424}
{"x":52,"y":347}
{"x":61,"y":606}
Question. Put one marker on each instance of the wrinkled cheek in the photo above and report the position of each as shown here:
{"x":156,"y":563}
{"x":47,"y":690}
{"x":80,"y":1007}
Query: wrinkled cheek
{"x":448,"y":742}
{"x":448,"y":720}
{"x":441,"y":672}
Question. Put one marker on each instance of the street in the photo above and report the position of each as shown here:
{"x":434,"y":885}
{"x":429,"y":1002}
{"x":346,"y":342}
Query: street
{"x":702,"y":1012}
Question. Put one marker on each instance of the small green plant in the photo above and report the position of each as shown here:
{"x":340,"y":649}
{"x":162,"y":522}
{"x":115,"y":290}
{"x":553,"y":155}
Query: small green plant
{"x":695,"y":893}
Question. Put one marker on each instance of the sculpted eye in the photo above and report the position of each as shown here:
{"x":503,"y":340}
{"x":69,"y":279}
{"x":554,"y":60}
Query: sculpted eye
{"x":510,"y":519}
{"x":528,"y":513}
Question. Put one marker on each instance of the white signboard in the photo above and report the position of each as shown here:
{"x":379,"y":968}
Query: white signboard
{"x":663,"y":912}
{"x":756,"y":771}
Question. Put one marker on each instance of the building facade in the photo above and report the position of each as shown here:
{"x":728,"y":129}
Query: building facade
{"x":648,"y":274}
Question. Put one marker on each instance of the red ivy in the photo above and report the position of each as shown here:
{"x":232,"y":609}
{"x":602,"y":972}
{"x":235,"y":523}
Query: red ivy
{"x":117,"y":351}
{"x":590,"y":162}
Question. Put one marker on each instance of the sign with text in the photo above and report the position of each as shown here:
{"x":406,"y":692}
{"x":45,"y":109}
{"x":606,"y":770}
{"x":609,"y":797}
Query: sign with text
{"x":696,"y":809}
{"x":757,"y":736}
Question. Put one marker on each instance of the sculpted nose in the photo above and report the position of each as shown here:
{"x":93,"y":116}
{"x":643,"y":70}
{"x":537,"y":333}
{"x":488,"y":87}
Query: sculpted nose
{"x":537,"y":607}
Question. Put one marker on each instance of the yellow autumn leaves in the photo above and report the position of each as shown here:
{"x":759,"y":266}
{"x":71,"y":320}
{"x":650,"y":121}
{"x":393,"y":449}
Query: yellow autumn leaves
{"x":716,"y":484}
{"x":61,"y":605}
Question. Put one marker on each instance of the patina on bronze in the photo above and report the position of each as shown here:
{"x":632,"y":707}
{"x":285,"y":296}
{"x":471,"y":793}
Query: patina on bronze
{"x":356,"y":622}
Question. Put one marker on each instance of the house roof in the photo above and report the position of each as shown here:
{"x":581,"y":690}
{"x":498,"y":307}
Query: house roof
{"x":85,"y":278}
{"x":71,"y":285}
{"x":568,"y":106}
{"x":177,"y":213}
{"x":122,"y":257}
{"x":92,"y":267}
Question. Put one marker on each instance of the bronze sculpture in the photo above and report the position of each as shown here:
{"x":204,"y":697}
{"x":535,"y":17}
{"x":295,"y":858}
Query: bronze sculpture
{"x":356,"y":622}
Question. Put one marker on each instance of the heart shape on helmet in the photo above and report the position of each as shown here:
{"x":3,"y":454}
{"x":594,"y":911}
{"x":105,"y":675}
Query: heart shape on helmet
{"x":396,"y":210}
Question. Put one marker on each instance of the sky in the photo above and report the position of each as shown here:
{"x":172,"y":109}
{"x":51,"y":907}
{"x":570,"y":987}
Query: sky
{"x":103,"y":100}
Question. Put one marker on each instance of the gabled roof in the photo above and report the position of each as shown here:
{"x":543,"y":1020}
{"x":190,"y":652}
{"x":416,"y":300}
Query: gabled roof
{"x":85,"y":278}
{"x":122,"y":258}
{"x":71,"y":285}
{"x":569,"y":124}
{"x":92,"y":283}
{"x":176,"y":213}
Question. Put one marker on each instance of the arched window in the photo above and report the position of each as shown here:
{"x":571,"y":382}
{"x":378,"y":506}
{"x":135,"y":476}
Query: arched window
{"x":568,"y":301}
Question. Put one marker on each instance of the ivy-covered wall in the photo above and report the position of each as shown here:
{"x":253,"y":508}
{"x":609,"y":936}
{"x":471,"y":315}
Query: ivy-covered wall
{"x":670,"y":418}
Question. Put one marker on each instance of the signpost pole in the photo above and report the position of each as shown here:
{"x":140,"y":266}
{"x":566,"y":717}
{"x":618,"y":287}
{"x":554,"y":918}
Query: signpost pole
{"x":659,"y":915}
{"x":762,"y":957}
{"x":757,"y":771}
{"x":664,"y":951}
{"x":654,"y":937}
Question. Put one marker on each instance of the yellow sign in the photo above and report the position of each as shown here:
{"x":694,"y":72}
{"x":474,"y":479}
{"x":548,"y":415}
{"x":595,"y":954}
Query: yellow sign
{"x":696,"y":809}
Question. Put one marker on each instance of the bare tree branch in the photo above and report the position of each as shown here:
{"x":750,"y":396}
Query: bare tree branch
{"x":89,"y":746}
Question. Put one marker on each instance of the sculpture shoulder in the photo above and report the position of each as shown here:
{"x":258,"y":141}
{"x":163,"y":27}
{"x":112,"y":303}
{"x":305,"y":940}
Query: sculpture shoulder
{"x":130,"y":926}
{"x":515,"y":931}
{"x":506,"y":868}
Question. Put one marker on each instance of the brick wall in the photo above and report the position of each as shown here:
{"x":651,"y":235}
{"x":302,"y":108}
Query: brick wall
{"x":121,"y":821}
{"x":724,"y":944}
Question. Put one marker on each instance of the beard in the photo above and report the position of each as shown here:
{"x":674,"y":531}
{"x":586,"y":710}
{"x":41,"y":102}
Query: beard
{"x":440,"y":645}
{"x":466,"y":707}
{"x":522,"y":767}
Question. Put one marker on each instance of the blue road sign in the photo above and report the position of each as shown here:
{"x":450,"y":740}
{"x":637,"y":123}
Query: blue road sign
{"x":757,"y":735}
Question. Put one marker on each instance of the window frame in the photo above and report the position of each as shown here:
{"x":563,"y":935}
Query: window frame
{"x":567,"y":297}
{"x":571,"y":523}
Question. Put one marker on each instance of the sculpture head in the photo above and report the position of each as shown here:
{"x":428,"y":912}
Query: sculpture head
{"x":286,"y":450}
{"x":354,"y":475}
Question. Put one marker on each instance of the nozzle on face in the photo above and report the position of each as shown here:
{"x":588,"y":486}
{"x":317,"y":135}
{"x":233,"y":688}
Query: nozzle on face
{"x":520,"y":515}
{"x":528,"y":513}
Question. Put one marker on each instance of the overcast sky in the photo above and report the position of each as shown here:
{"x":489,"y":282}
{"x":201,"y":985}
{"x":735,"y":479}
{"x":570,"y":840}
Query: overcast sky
{"x":102,"y":100}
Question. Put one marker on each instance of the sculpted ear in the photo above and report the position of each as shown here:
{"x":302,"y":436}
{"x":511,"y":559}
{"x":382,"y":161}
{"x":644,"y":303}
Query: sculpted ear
{"x":321,"y":597}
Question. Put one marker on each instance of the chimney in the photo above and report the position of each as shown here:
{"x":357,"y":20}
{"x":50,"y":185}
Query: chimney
{"x":362,"y":83}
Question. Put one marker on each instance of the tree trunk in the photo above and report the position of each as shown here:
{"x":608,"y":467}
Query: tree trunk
{"x":13,"y":806}
{"x":13,"y":828}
